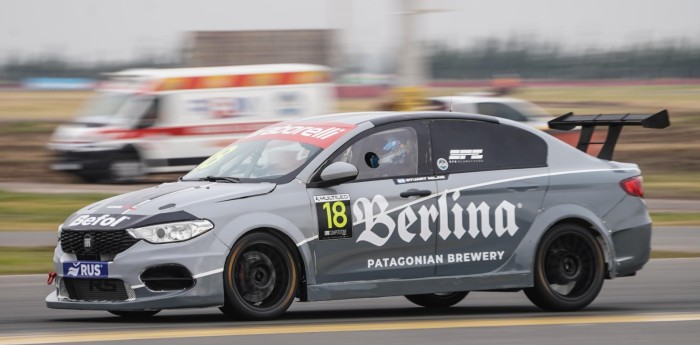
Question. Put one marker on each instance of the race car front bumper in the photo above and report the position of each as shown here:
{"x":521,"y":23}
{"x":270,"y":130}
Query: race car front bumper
{"x":125,"y":289}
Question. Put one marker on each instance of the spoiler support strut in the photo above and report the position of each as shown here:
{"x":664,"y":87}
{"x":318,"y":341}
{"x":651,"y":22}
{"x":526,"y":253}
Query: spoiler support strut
{"x":614,"y":122}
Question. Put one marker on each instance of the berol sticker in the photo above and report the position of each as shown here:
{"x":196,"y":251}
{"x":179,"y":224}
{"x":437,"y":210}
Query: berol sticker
{"x":334,"y":217}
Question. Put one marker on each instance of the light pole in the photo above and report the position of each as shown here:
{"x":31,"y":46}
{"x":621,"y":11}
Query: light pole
{"x":413,"y":75}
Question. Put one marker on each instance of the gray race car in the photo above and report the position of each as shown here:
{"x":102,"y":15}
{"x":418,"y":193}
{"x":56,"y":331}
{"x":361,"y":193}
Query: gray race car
{"x":427,"y":205}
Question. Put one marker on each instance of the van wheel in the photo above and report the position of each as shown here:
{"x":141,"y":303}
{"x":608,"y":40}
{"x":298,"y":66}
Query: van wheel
{"x":569,"y":269}
{"x":260,"y":278}
{"x":89,"y":178}
{"x":134,"y":314}
{"x":438,"y":300}
{"x":126,"y":167}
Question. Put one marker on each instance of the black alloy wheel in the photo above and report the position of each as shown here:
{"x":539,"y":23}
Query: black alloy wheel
{"x":260,"y":278}
{"x":569,"y":269}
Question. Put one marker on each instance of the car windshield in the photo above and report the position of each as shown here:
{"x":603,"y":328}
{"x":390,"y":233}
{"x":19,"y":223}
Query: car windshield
{"x":266,"y":160}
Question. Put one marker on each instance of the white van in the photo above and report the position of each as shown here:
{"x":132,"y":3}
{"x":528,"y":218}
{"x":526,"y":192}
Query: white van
{"x":144,"y":121}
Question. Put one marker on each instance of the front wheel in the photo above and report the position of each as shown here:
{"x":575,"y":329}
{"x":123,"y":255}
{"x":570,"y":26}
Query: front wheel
{"x":260,"y":278}
{"x":438,"y":300}
{"x":569,"y":269}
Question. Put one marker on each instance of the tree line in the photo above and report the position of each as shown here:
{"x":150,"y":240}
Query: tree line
{"x":55,"y":67}
{"x":489,"y":58}
{"x":485,"y":59}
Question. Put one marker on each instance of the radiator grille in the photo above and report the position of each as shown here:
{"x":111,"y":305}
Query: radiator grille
{"x":104,"y":242}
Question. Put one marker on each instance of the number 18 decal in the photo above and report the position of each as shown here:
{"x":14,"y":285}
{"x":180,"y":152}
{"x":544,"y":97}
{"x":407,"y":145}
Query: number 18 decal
{"x":334,"y":218}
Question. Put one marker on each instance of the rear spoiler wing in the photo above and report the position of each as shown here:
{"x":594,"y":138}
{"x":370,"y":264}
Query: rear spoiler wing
{"x":614,"y":122}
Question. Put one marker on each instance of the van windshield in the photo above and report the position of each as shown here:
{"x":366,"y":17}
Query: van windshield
{"x":266,"y":160}
{"x":120,"y":108}
{"x":102,"y":107}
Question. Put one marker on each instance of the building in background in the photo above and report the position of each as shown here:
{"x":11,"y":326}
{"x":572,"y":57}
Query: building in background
{"x":225,"y":48}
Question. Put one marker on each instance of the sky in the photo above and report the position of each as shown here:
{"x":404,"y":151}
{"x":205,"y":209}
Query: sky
{"x":118,"y":30}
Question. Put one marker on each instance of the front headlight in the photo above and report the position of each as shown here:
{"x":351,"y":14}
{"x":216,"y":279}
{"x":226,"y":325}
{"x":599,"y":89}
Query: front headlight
{"x":172,"y":232}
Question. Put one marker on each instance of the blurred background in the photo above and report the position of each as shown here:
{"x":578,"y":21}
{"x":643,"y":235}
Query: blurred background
{"x":590,"y":57}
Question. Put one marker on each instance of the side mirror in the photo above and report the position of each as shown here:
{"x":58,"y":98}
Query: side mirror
{"x":338,"y":173}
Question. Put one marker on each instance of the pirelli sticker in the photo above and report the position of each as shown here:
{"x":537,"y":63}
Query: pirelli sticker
{"x":334,"y":217}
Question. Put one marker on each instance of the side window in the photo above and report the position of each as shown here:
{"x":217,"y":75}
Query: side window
{"x":150,"y":115}
{"x":384,"y":154}
{"x":465,"y":146}
{"x":500,"y":110}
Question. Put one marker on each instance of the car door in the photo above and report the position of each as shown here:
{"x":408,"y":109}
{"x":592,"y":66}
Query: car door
{"x":378,"y":226}
{"x":495,"y":180}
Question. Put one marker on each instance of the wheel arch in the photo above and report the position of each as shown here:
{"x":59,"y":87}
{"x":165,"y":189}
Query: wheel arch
{"x":597,"y":234}
{"x":579,"y":215}
{"x":292,"y":247}
{"x":291,"y":236}
{"x":132,"y":149}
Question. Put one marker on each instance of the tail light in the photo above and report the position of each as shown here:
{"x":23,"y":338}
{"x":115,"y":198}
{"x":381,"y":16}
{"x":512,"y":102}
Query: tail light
{"x":633,"y":186}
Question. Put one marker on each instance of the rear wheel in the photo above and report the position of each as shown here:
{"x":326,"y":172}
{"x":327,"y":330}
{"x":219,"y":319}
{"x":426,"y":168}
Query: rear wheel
{"x":134,"y":314}
{"x":438,"y":300}
{"x":260,"y":278}
{"x":569,"y":269}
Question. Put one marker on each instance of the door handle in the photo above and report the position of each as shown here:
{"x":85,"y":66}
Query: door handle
{"x":415,"y":192}
{"x":522,"y":188}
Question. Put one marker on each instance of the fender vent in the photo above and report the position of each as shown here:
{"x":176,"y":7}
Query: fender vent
{"x":167,"y":278}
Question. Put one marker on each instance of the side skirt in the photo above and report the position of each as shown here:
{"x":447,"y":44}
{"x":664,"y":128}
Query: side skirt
{"x":401,"y":287}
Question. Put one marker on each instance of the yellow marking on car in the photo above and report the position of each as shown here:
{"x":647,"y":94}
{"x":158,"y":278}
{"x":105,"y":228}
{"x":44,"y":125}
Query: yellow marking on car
{"x":58,"y":337}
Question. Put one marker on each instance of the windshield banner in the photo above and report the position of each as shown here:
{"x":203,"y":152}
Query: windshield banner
{"x":318,"y":134}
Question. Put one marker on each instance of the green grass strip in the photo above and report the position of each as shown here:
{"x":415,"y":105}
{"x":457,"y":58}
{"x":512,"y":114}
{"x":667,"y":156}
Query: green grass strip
{"x":40,"y":211}
{"x":675,"y":219}
{"x":16,"y":260}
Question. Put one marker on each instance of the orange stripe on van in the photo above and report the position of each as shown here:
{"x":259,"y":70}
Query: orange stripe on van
{"x":242,"y":80}
{"x":218,"y":129}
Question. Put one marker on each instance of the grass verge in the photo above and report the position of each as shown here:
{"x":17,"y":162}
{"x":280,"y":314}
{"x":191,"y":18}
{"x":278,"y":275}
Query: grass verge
{"x":39,"y":211}
{"x":667,"y":254}
{"x":675,"y":219}
{"x":672,"y":185}
{"x":16,"y":260}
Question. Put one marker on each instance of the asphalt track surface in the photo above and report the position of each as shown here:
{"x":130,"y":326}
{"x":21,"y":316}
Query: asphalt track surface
{"x":661,"y":305}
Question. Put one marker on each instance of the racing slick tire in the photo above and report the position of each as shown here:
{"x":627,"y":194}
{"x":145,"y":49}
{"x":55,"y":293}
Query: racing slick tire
{"x":569,"y":269}
{"x":438,"y":300}
{"x":260,"y":278}
{"x":134,"y":314}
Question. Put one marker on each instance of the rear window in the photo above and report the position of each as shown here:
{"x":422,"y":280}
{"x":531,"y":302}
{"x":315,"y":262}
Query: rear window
{"x":465,"y":146}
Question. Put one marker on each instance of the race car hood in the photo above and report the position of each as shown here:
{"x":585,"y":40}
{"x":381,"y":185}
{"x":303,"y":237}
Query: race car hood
{"x":160,"y":204}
